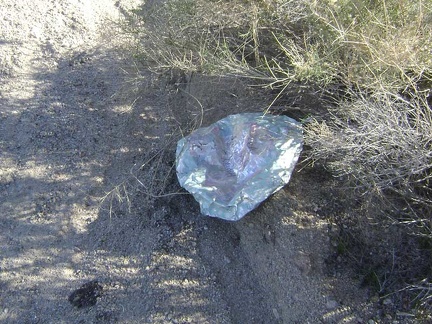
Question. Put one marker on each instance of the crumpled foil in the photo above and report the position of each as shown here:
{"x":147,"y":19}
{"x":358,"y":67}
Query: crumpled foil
{"x":233,"y":165}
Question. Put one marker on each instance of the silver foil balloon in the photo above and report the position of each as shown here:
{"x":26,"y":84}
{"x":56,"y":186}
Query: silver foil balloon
{"x":231,"y":166}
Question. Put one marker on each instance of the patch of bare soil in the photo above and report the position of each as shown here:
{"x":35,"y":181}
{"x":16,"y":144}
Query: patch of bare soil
{"x":94,"y":227}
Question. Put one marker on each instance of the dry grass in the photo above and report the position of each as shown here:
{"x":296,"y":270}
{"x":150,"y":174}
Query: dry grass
{"x":378,"y":45}
{"x":382,"y":142}
{"x":186,"y":35}
{"x":373,"y":58}
{"x":381,"y":148}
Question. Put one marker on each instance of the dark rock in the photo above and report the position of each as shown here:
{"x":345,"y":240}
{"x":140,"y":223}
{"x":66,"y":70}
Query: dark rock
{"x":86,"y":295}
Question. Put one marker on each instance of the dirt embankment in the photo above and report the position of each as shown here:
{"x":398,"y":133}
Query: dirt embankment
{"x":77,"y":123}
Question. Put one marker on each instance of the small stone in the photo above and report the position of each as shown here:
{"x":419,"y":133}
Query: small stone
{"x":387,"y":301}
{"x":86,"y":295}
{"x":269,"y":237}
{"x":303,"y":263}
{"x":276,"y":313}
{"x":332,"y":304}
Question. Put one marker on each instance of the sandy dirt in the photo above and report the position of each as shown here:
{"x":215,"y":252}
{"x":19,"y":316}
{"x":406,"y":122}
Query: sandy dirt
{"x":88,"y":195}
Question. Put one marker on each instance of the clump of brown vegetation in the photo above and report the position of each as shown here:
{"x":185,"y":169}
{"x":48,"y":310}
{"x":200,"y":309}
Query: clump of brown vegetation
{"x":372,"y":63}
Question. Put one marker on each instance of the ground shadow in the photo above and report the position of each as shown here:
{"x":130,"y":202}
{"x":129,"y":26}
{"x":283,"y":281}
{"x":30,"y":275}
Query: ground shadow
{"x":85,"y":135}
